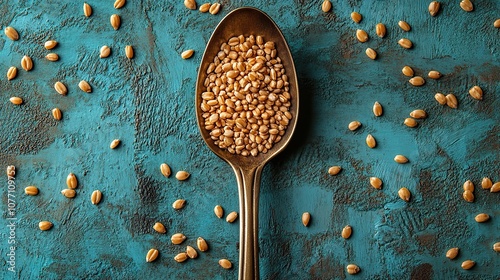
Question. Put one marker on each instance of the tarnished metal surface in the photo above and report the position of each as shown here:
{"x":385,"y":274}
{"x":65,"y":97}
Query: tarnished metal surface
{"x":148,"y":103}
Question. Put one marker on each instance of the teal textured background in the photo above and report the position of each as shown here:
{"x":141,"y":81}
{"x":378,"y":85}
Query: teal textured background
{"x":148,"y":103}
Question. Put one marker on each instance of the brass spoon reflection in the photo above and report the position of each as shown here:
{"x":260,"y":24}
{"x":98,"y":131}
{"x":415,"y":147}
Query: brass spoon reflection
{"x":248,"y":21}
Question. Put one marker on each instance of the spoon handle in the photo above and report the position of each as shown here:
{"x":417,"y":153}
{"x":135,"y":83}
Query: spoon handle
{"x":248,"y":187}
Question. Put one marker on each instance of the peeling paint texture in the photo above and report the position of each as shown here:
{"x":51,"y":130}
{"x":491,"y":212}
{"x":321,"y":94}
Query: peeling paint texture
{"x":148,"y":103}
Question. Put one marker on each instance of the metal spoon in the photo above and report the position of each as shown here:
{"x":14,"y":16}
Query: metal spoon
{"x":248,"y":21}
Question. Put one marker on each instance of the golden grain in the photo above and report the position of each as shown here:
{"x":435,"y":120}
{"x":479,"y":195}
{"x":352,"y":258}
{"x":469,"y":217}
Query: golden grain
{"x":104,"y":52}
{"x":187,"y":54}
{"x":129,"y":52}
{"x":27,"y":63}
{"x":380,"y":30}
{"x":87,"y":10}
{"x":452,"y":253}
{"x":11,"y":32}
{"x":468,"y":264}
{"x":410,"y":122}
{"x":85,"y":86}
{"x":178,"y":238}
{"x":165,"y":170}
{"x":16,"y":100}
{"x":181,"y":257}
{"x":190,"y":4}
{"x":468,"y":196}
{"x":404,"y":25}
{"x":205,"y":7}
{"x":407,"y":71}
{"x":400,"y":159}
{"x":182,"y":175}
{"x":468,"y":186}
{"x":96,"y":197}
{"x":496,"y":247}
{"x":451,"y":101}
{"x":404,"y":194}
{"x":69,"y":193}
{"x":115,"y":21}
{"x":356,"y":17}
{"x":52,"y":57}
{"x":371,"y":53}
{"x":354,"y":125}
{"x":71,"y":181}
{"x":119,"y":3}
{"x":191,"y":252}
{"x":497,"y":23}
{"x":486,"y":183}
{"x":352,"y":269}
{"x":346,"y":232}
{"x":57,"y":114}
{"x":434,"y":8}
{"x":31,"y":190}
{"x":417,"y":81}
{"x":225,"y":263}
{"x":152,"y":255}
{"x":11,"y":73}
{"x":361,"y":35}
{"x":481,"y":218}
{"x":45,"y":225}
{"x":476,"y":92}
{"x":60,"y":88}
{"x":467,"y":5}
{"x":306,"y":217}
{"x":334,"y":170}
{"x":159,"y":227}
{"x":201,"y":244}
{"x":405,"y":43}
{"x":219,"y":211}
{"x":214,"y":8}
{"x":115,"y":143}
{"x":377,"y":109}
{"x":418,"y":114}
{"x":326,"y":6}
{"x":231,"y":217}
{"x":179,"y":204}
{"x":440,"y":98}
{"x":376,"y":182}
{"x":433,"y":74}
{"x":370,"y":141}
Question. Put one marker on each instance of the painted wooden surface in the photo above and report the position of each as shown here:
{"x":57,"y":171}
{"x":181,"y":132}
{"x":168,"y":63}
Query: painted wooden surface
{"x":148,"y":103}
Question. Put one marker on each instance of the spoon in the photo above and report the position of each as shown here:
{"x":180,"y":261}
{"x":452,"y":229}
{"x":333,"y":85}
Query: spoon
{"x":248,"y":21}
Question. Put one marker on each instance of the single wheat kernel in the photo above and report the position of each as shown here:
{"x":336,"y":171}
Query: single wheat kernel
{"x":179,"y":204}
{"x":434,"y":8}
{"x":486,"y":183}
{"x":85,"y":86}
{"x":451,"y":101}
{"x":495,"y":187}
{"x":404,"y":25}
{"x":476,"y":92}
{"x":496,"y":247}
{"x":361,"y":35}
{"x":371,"y":53}
{"x":405,"y":43}
{"x":219,"y":211}
{"x":380,"y":30}
{"x":346,"y":232}
{"x":50,"y":44}
{"x":376,"y":182}
{"x":45,"y":225}
{"x":27,"y":63}
{"x":354,"y":125}
{"x":400,"y":159}
{"x":71,"y":181}
{"x":352,"y":269}
{"x":433,"y":74}
{"x":418,"y":114}
{"x":182,"y":175}
{"x":225,"y":263}
{"x":410,"y":122}
{"x":370,"y":141}
{"x":404,"y":194}
{"x":159,"y":227}
{"x":440,"y":98}
{"x":356,"y":17}
{"x":152,"y":255}
{"x":165,"y":170}
{"x":129,"y":52}
{"x":468,"y":186}
{"x":60,"y":88}
{"x":497,"y":23}
{"x":334,"y":170}
{"x":187,"y":54}
{"x":52,"y":57}
{"x":190,"y":4}
{"x":57,"y":114}
{"x":16,"y":100}
{"x":231,"y":217}
{"x":481,"y":218}
{"x":104,"y":52}
{"x":96,"y":197}
{"x":205,"y":7}
{"x":115,"y":21}
{"x":87,"y":10}
{"x":466,"y":5}
{"x":69,"y":193}
{"x":306,"y":217}
{"x":191,"y":252}
{"x":181,"y":257}
{"x":31,"y":190}
{"x":417,"y":81}
{"x":178,"y":238}
{"x":452,"y":253}
{"x":11,"y":171}
{"x":377,"y":109}
{"x":468,"y":196}
{"x":407,"y":71}
{"x":214,"y":8}
{"x":12,"y":73}
{"x":201,"y":244}
{"x":119,"y":3}
{"x":468,"y":264}
{"x":11,"y":33}
{"x":326,"y":6}
{"x":115,"y":143}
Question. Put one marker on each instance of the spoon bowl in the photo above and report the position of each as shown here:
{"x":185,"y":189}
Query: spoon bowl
{"x":248,"y":21}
